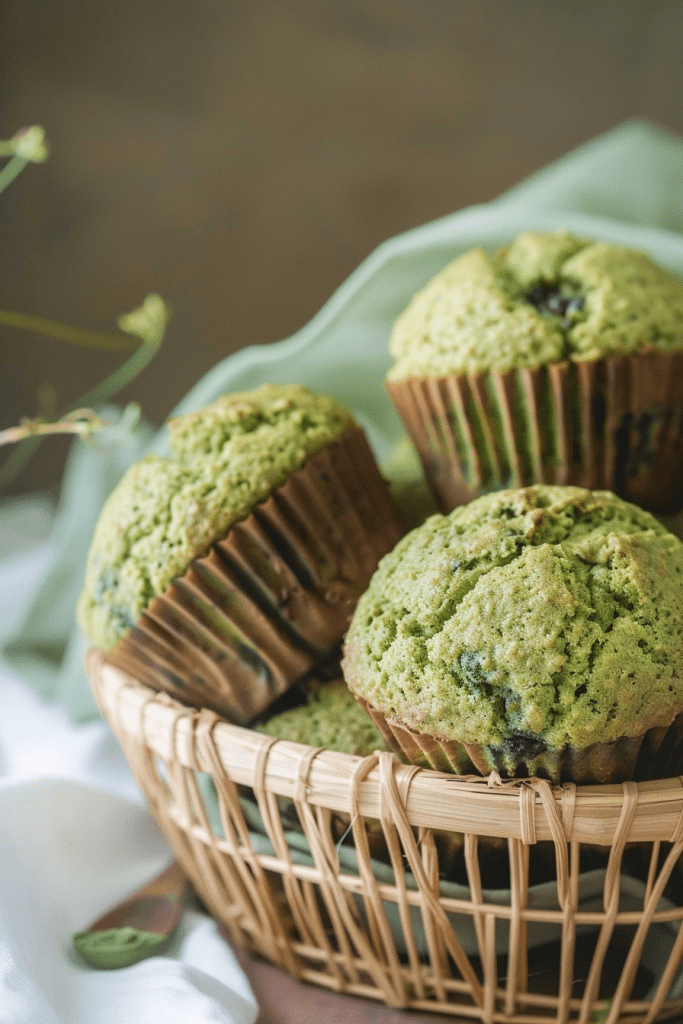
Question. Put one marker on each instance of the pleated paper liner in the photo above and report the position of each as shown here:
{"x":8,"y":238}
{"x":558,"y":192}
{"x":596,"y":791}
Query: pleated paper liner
{"x":608,"y":424}
{"x":655,"y":754}
{"x":271,"y":600}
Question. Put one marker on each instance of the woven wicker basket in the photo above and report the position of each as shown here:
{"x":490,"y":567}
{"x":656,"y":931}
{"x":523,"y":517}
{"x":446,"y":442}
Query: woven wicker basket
{"x":584,"y":946}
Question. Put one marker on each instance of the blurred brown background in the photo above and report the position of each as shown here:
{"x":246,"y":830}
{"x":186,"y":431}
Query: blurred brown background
{"x":242,"y":158}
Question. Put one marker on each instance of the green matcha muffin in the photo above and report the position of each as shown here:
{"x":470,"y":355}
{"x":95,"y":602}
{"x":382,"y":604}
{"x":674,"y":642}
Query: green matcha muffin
{"x":533,"y":631}
{"x":228,"y":570}
{"x":557,"y":360}
{"x":331,"y":718}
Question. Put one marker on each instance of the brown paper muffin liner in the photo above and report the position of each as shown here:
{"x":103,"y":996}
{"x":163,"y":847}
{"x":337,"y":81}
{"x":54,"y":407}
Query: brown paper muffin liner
{"x":416,"y":748}
{"x":607,"y":424}
{"x":655,"y":754}
{"x":271,"y":600}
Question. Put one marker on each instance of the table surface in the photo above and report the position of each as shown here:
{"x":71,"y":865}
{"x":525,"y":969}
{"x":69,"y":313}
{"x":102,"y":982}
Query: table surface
{"x":285,"y":1001}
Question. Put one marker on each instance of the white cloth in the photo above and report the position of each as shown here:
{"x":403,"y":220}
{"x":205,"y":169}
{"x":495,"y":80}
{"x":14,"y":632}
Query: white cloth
{"x":75,"y":838}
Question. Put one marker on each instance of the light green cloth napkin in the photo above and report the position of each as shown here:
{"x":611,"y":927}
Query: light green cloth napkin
{"x":623,"y":187}
{"x":44,"y":646}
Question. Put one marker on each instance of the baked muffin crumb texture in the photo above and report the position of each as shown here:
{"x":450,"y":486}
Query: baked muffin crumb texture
{"x":542,"y":617}
{"x":166,"y":511}
{"x":546,"y":298}
{"x":331,"y":718}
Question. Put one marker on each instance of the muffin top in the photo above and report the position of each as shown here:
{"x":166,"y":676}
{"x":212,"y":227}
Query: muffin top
{"x":165,"y":511}
{"x":546,"y":612}
{"x":544,"y":299}
{"x":332,"y":718}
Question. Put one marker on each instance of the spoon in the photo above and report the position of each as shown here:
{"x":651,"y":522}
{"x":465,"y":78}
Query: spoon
{"x":138,"y":927}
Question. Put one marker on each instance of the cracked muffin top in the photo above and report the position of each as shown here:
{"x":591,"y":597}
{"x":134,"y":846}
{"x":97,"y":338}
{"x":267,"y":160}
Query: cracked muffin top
{"x":551,"y":612}
{"x":543,"y":299}
{"x":166,"y":511}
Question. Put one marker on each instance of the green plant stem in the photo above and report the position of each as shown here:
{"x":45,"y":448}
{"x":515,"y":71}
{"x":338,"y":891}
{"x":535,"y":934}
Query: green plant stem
{"x":102,"y":392}
{"x":121,"y":376}
{"x":87,"y":339}
{"x":17,"y":459}
{"x":12,"y":168}
{"x":80,"y":421}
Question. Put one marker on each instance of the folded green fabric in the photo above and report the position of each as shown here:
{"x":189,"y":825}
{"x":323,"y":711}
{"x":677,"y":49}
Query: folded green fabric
{"x":44,"y":646}
{"x":631,"y":175}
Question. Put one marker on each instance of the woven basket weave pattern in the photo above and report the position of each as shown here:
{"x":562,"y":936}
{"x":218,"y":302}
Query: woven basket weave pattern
{"x":396,"y":942}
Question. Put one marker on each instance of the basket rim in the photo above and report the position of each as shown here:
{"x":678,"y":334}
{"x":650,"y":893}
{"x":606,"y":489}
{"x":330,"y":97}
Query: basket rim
{"x":514,"y":809}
